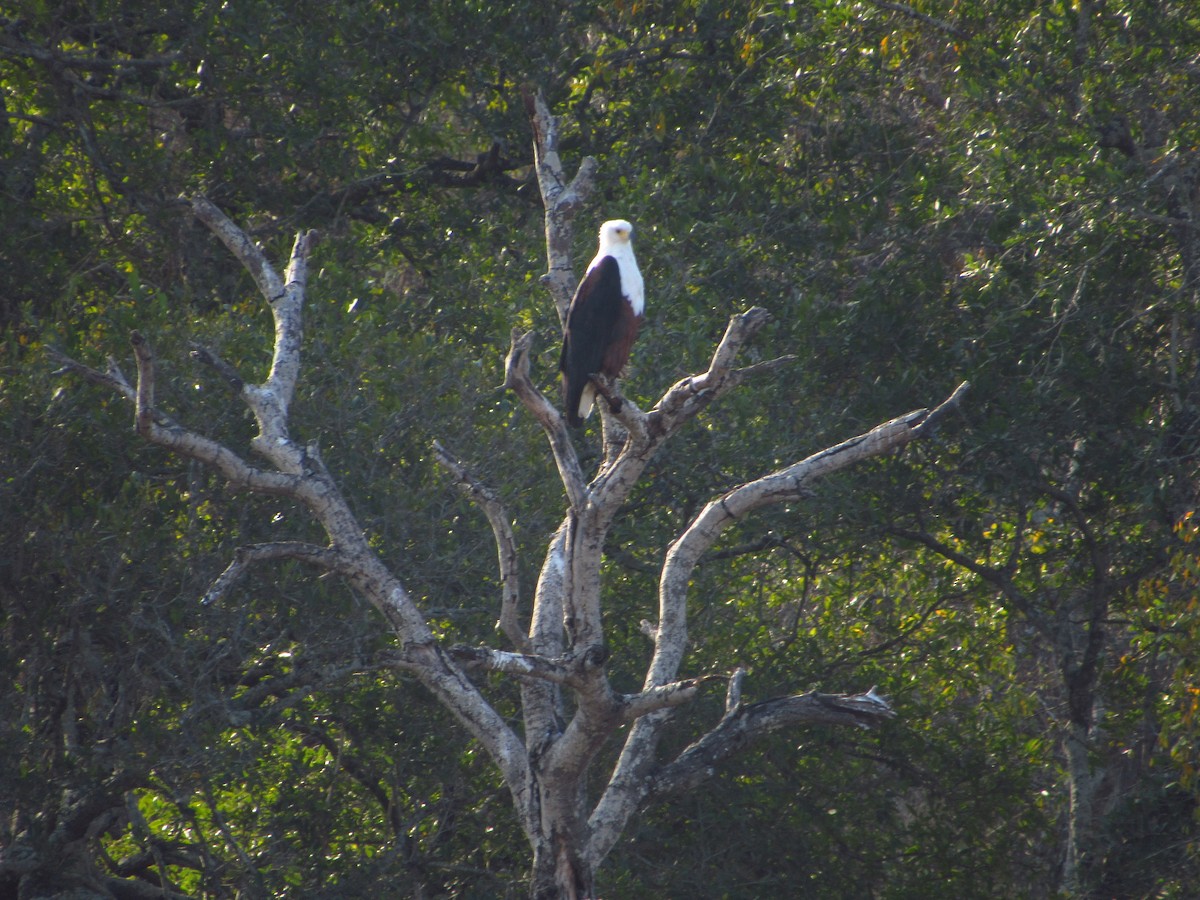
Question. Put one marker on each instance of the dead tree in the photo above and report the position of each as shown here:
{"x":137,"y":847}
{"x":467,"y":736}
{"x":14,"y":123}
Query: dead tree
{"x":558,"y":650}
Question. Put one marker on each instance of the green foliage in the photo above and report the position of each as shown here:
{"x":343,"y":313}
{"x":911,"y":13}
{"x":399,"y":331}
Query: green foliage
{"x":995,"y":190}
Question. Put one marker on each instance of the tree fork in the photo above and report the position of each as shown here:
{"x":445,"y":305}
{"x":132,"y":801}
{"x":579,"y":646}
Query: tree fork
{"x":562,"y":654}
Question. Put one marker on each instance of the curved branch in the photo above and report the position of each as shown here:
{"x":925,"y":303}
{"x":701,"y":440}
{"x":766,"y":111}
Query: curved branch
{"x":506,"y":544}
{"x":789,"y":483}
{"x":647,"y":432}
{"x":270,"y":400}
{"x":517,"y":380}
{"x":250,"y":255}
{"x":150,"y":426}
{"x":746,"y":724}
{"x":687,"y":397}
{"x":244,"y":557}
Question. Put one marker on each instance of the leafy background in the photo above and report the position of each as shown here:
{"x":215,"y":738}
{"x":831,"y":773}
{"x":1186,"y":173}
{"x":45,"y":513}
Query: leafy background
{"x":993,"y":190}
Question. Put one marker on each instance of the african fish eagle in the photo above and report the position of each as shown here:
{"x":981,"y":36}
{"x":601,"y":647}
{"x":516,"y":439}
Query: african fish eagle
{"x":602,"y":320}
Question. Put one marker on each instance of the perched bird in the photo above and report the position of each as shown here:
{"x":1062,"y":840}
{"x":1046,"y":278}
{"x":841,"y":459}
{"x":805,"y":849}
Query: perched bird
{"x":602,"y":320}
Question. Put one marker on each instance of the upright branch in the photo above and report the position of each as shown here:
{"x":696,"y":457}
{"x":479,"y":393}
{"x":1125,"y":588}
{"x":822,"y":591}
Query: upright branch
{"x":271,"y":399}
{"x":517,"y":379}
{"x":561,"y":198}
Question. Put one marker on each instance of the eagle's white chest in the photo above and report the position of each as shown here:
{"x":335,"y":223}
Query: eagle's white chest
{"x":632,"y":285}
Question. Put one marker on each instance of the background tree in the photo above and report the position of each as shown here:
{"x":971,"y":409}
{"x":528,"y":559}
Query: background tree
{"x":992,"y":190}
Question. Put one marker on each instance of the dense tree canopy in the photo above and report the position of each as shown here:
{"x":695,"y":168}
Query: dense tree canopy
{"x":1003,"y":191}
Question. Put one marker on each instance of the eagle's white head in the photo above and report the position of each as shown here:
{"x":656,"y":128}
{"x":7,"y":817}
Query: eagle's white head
{"x":615,"y":233}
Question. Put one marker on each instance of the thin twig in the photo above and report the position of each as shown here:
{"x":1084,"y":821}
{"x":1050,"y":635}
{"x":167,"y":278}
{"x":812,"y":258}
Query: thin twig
{"x":325,"y":558}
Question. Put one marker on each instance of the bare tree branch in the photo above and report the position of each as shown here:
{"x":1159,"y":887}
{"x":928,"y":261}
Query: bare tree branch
{"x":733,"y":695}
{"x":225,"y":370}
{"x":301,"y":475}
{"x":244,"y":557}
{"x":517,"y":380}
{"x":112,"y":378}
{"x":789,"y":483}
{"x":520,"y":664}
{"x":743,"y":725}
{"x":687,"y":397}
{"x":665,"y":696}
{"x":951,"y":404}
{"x":626,"y":788}
{"x":253,"y":260}
{"x":285,"y":297}
{"x":506,"y":544}
{"x":150,"y":425}
{"x":562,"y":199}
{"x":767,"y":365}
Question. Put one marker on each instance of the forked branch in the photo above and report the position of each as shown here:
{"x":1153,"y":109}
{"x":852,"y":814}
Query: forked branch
{"x":744,"y":725}
{"x":633,"y":779}
{"x":324,"y":558}
{"x":299,"y":474}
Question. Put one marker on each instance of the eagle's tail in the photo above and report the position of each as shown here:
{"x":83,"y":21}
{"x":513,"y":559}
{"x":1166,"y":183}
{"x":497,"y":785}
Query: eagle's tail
{"x":578,"y":397}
